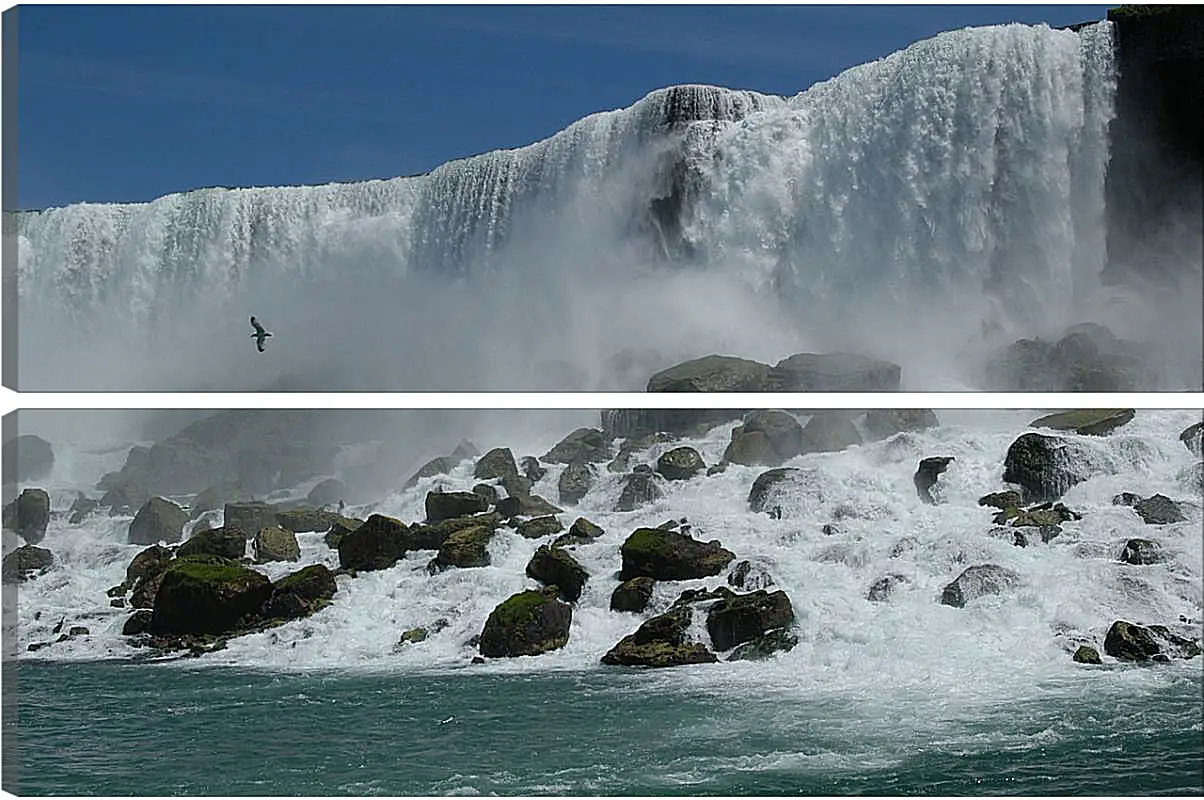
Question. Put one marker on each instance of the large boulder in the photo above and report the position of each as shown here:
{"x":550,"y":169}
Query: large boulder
{"x":25,"y":561}
{"x":763,"y":486}
{"x":1087,"y":422}
{"x":448,"y":505}
{"x":575,"y":481}
{"x":159,"y":520}
{"x":539,"y":527}
{"x":767,"y":437}
{"x":250,"y":518}
{"x":300,"y":593}
{"x":643,"y":422}
{"x":978,"y":581}
{"x":1087,"y":358}
{"x":467,"y":547}
{"x":222,"y":542}
{"x":26,"y":458}
{"x":432,"y":537}
{"x":123,"y":496}
{"x":207,"y":594}
{"x":680,"y":464}
{"x":582,"y":445}
{"x":527,"y":624}
{"x":28,"y":515}
{"x":1127,"y":641}
{"x":1159,"y":510}
{"x":882,"y":423}
{"x":639,"y":488}
{"x":712,"y":374}
{"x":670,"y":556}
{"x":553,"y":566}
{"x":377,"y":544}
{"x":833,"y":372}
{"x":327,"y":492}
{"x":1193,"y":438}
{"x":829,"y":432}
{"x":632,"y":595}
{"x":497,"y":463}
{"x":305,"y":520}
{"x":147,"y":563}
{"x":661,"y":641}
{"x":739,"y":618}
{"x":1045,"y":466}
{"x":276,"y":544}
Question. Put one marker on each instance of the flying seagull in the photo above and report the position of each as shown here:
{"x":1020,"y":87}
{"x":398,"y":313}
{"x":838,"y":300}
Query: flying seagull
{"x":260,"y":335}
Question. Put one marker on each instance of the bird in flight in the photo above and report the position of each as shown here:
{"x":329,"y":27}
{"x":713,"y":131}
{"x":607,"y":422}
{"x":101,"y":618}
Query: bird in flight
{"x":260,"y":335}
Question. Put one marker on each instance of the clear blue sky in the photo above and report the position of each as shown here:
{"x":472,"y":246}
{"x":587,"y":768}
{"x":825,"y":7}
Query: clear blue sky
{"x":128,"y":103}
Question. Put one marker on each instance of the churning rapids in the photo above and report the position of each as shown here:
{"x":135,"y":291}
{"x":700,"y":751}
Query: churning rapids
{"x":923,"y":208}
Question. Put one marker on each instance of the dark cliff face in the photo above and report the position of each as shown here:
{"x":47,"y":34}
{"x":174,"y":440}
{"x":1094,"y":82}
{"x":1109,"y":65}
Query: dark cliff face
{"x":1156,"y":171}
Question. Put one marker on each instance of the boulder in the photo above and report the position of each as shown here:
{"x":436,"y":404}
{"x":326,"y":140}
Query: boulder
{"x":468,"y":547}
{"x":81,"y":508}
{"x":539,"y":527}
{"x":779,"y":640}
{"x":448,"y":505}
{"x":326,"y":493}
{"x":222,"y":542}
{"x":670,"y":556}
{"x":1088,"y":422}
{"x":766,"y":437}
{"x":28,"y":515}
{"x":1127,"y":641}
{"x":1087,"y":358}
{"x":304,"y":520}
{"x":145,"y":590}
{"x":1193,"y":439}
{"x":276,"y":544}
{"x":1142,"y":552}
{"x":123,"y":496}
{"x":926,"y":476}
{"x":632,"y":595}
{"x":136,"y":623}
{"x":1159,"y":510}
{"x":978,"y":581}
{"x":250,"y":518}
{"x":440,"y":465}
{"x":207,"y":594}
{"x":377,"y":544}
{"x":214,"y":497}
{"x":1086,"y":654}
{"x":553,"y":566}
{"x":487,"y":491}
{"x":338,"y":529}
{"x":24,"y":562}
{"x":300,"y":593}
{"x":739,"y":618}
{"x":532,"y":470}
{"x":527,"y":624}
{"x":147,"y":563}
{"x":1002,"y":500}
{"x":432,"y":537}
{"x":882,"y":423}
{"x":497,"y":463}
{"x":660,"y":642}
{"x":574,"y":482}
{"x":712,"y":374}
{"x":763,"y":486}
{"x":829,"y":432}
{"x":532,"y":505}
{"x":26,"y":458}
{"x":582,"y":531}
{"x":639,"y":489}
{"x":582,"y":445}
{"x":159,"y":520}
{"x":635,"y":444}
{"x":680,"y":464}
{"x":746,"y":575}
{"x":881,"y":589}
{"x":834,"y":372}
{"x":1045,"y":466}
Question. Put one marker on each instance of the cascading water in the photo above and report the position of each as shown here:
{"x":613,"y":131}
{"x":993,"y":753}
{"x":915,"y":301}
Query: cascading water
{"x":957,"y":181}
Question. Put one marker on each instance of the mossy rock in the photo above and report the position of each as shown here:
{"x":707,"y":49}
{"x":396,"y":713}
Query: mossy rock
{"x":301,"y":593}
{"x":540,"y":527}
{"x":306,"y":520}
{"x":148,"y":562}
{"x":764,"y":646}
{"x":1004,"y":500}
{"x":582,"y":531}
{"x":1086,"y":654}
{"x":432,"y":537}
{"x":739,"y":618}
{"x":207,"y":594}
{"x":497,"y":463}
{"x":276,"y":544}
{"x":222,"y":541}
{"x":632,"y":595}
{"x":468,"y":547}
{"x":1127,"y":641}
{"x":555,"y":567}
{"x":660,"y":642}
{"x":527,"y":624}
{"x":340,"y":528}
{"x":670,"y":556}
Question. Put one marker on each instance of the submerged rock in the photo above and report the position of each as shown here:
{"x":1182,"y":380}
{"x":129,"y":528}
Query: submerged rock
{"x":746,"y":575}
{"x":1088,"y":422}
{"x":28,"y":515}
{"x":159,"y":520}
{"x":1141,"y":552}
{"x":881,"y":589}
{"x":1085,"y":654}
{"x":978,"y":581}
{"x":300,"y":593}
{"x":639,"y":489}
{"x":669,"y":556}
{"x":527,"y":624}
{"x":776,"y":641}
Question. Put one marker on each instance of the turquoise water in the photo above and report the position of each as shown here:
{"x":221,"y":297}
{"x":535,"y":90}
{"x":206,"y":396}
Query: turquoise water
{"x":122,"y":728}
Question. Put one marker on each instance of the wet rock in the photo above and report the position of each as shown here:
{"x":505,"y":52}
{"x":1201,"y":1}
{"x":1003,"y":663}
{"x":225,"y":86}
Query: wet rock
{"x":532,"y":470}
{"x":250,"y":518}
{"x":762,"y":647}
{"x":711,"y":374}
{"x":276,"y":544}
{"x":886,"y":422}
{"x":1087,"y":422}
{"x":539,"y":527}
{"x":766,"y":437}
{"x":636,"y":444}
{"x":432,"y":537}
{"x":881,"y":589}
{"x":300,"y":593}
{"x":639,"y":489}
{"x":497,"y":463}
{"x":680,"y":464}
{"x":1142,"y":552}
{"x":81,"y":508}
{"x":26,"y":458}
{"x":660,"y":642}
{"x":159,"y":520}
{"x":1086,"y":654}
{"x":763,"y":485}
{"x":1045,"y":466}
{"x":748,"y":576}
{"x":25,"y":562}
{"x":217,"y":542}
{"x":448,"y":505}
{"x":582,"y":531}
{"x":465,"y":548}
{"x":28,"y":515}
{"x":123,"y":496}
{"x":1002,"y":500}
{"x":1159,"y":510}
{"x":582,"y":445}
{"x":532,"y":505}
{"x":1192,"y":478}
{"x":305,"y":520}
{"x":527,"y":624}
{"x":207,"y":594}
{"x":739,"y":618}
{"x":377,"y":544}
{"x":1126,"y":499}
{"x":1088,"y":358}
{"x":339,"y":529}
{"x":978,"y":581}
{"x":1127,"y":641}
{"x":1193,"y":439}
{"x":833,"y":372}
{"x":146,"y":589}
{"x":632,"y":595}
{"x":575,"y":481}
{"x":490,"y":493}
{"x":136,"y":623}
{"x":326,"y":493}
{"x":669,"y":556}
{"x":829,"y":432}
{"x":553,"y":566}
{"x":926,"y":476}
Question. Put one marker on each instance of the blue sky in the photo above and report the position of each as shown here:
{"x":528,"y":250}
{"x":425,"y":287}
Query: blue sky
{"x":128,"y":103}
